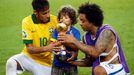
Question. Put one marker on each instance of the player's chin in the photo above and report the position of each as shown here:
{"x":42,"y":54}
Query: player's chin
{"x":45,"y":21}
{"x":84,"y":29}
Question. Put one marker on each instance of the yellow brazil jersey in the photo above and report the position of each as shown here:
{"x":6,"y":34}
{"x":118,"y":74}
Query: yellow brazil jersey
{"x":38,"y":35}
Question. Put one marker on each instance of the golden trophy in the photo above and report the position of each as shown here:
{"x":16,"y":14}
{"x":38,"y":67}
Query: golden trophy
{"x":62,"y":29}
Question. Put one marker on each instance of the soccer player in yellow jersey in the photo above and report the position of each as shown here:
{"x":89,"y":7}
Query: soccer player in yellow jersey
{"x":37,"y":53}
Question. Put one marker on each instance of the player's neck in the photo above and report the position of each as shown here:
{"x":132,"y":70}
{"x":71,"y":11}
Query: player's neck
{"x":94,"y":30}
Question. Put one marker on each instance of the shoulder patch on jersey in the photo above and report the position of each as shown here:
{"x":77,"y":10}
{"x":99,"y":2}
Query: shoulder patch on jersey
{"x":24,"y":34}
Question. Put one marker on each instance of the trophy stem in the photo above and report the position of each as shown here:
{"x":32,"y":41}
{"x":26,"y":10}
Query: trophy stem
{"x":63,"y":47}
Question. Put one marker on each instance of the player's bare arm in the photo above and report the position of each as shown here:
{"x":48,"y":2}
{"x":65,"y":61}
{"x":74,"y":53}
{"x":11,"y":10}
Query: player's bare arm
{"x":101,"y":44}
{"x":34,"y":50}
{"x":103,"y":41}
{"x":72,"y":46}
{"x":84,"y":62}
{"x":74,"y":55}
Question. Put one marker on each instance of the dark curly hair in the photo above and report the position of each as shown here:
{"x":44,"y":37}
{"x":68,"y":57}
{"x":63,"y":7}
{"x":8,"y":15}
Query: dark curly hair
{"x":70,"y":11}
{"x":92,"y":12}
{"x":39,"y":5}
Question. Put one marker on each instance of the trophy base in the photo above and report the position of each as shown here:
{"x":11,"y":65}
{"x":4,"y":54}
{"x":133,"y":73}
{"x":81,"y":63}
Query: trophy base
{"x":62,"y":56}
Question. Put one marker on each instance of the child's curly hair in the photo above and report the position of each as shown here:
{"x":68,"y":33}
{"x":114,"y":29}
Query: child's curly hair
{"x":70,"y":11}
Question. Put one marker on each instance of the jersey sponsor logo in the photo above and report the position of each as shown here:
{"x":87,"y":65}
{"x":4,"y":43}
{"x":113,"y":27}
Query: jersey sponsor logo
{"x":33,"y":31}
{"x":24,"y":34}
{"x":111,"y":66}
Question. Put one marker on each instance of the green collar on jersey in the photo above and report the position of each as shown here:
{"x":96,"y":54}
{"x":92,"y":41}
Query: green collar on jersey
{"x":34,"y":19}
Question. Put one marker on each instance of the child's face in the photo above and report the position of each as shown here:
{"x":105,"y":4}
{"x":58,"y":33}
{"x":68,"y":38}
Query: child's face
{"x":65,"y":19}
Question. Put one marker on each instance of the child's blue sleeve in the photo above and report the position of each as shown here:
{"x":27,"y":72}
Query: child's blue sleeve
{"x":76,"y":34}
{"x":55,"y":34}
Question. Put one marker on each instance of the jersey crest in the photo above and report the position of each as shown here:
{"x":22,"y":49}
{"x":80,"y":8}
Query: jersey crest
{"x":51,"y":30}
{"x":24,"y":34}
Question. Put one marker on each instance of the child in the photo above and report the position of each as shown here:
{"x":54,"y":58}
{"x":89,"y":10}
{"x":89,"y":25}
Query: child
{"x":67,"y":15}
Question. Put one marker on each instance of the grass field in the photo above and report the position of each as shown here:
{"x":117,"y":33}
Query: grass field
{"x":118,"y":13}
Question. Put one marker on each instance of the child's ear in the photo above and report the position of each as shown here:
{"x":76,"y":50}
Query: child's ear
{"x":71,"y":22}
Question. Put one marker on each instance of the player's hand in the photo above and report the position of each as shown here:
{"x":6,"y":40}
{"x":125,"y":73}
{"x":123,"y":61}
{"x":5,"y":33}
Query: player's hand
{"x":73,"y":57}
{"x":57,"y":47}
{"x":53,"y":46}
{"x":74,"y":63}
{"x":77,"y":62}
{"x":68,"y":38}
{"x":84,"y":62}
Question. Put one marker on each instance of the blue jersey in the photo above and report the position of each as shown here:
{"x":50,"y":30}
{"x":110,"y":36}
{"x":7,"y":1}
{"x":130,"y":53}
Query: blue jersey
{"x":76,"y":34}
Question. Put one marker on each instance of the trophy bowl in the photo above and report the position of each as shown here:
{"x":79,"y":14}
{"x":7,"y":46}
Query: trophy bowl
{"x":62,"y":28}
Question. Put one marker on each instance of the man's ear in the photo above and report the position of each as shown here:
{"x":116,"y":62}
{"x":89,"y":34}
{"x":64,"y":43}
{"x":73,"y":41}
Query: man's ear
{"x":35,"y":12}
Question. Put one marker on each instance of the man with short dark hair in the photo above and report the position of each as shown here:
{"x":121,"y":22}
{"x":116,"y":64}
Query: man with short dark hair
{"x":101,"y":43}
{"x":37,"y":30}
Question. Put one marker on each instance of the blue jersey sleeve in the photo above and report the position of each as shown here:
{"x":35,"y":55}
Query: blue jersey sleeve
{"x":75,"y":32}
{"x":77,"y":35}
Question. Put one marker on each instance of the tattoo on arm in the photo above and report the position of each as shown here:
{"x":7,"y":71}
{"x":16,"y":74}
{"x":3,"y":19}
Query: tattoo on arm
{"x":101,"y":44}
{"x":103,"y":40}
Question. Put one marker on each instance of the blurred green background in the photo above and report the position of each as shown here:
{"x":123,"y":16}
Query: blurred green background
{"x":117,"y":13}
